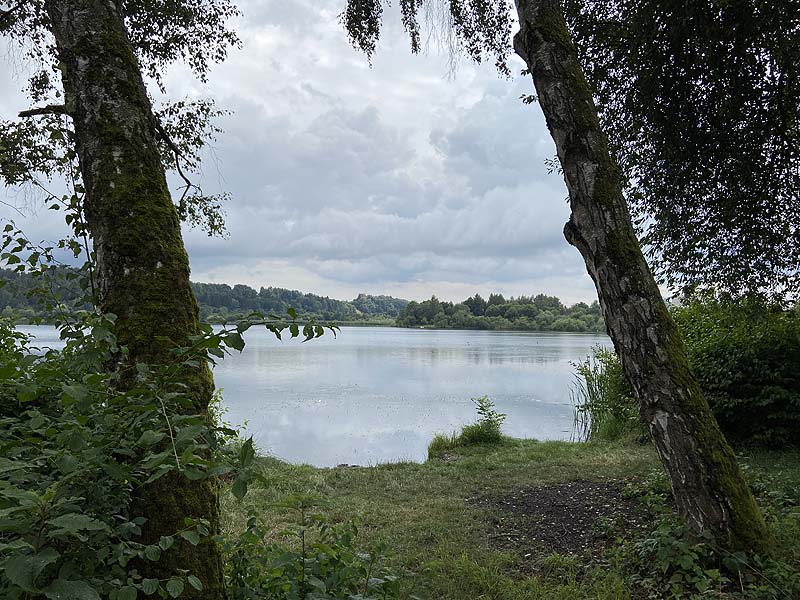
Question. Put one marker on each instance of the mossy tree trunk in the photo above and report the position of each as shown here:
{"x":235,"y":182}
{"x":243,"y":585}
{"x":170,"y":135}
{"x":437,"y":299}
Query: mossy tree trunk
{"x":142,"y":265}
{"x":707,"y":483}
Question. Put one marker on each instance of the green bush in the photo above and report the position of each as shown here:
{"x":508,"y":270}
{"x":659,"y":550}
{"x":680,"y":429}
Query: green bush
{"x":603,"y":399}
{"x":486,"y":430}
{"x":746,"y":357}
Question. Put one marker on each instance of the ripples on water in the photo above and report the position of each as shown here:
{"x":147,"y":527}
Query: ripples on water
{"x":378,"y":394}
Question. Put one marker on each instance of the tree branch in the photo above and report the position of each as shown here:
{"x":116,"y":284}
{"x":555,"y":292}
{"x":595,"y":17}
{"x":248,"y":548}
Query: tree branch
{"x":50,"y":109}
{"x":177,"y":152}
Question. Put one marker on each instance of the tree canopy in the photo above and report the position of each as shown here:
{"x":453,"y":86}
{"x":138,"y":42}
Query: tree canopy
{"x":701,"y":102}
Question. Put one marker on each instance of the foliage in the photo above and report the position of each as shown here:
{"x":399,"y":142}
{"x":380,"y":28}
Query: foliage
{"x":526,"y":313}
{"x":671,"y":561}
{"x":77,"y":445}
{"x":486,"y":430}
{"x":603,"y":399}
{"x":745,"y":356}
{"x":718,"y":194}
{"x":476,"y":28}
{"x":317,"y":560}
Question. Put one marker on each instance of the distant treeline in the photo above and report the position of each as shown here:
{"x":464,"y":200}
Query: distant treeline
{"x":23,"y":298}
{"x":525,"y":313}
{"x":218,"y":301}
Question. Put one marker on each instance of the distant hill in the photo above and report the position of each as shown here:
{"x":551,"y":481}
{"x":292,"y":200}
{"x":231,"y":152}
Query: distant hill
{"x":218,"y":301}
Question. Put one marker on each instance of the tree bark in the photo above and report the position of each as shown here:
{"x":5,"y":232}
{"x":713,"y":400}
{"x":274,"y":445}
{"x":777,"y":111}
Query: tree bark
{"x":142,"y":265}
{"x":708,"y":486}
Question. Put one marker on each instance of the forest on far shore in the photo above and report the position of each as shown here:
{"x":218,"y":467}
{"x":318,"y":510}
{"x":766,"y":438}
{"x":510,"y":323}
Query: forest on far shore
{"x":524,"y":313}
{"x":22,"y":297}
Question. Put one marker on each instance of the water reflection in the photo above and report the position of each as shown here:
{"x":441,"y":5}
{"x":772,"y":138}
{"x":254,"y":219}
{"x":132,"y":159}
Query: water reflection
{"x":380,"y":394}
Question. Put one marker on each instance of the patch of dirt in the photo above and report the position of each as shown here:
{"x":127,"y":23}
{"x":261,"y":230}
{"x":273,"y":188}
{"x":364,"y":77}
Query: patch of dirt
{"x":576,"y":517}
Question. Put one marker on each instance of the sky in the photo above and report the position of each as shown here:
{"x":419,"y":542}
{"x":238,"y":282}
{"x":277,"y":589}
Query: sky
{"x":403,"y":177}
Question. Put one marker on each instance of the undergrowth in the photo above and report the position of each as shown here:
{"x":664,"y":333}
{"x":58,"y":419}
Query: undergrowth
{"x":486,"y":430}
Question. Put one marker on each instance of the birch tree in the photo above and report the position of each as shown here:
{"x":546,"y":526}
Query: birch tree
{"x":708,"y":486}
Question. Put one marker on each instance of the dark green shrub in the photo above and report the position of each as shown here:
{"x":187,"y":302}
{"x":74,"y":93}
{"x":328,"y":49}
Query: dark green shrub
{"x":746,"y":357}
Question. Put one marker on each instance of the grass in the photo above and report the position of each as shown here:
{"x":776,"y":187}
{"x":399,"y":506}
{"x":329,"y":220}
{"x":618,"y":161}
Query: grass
{"x":424,"y":513}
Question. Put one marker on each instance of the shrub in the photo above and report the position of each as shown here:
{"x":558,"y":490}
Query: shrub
{"x":76,"y":445}
{"x":486,"y":430}
{"x":603,"y":399}
{"x":745,"y":356}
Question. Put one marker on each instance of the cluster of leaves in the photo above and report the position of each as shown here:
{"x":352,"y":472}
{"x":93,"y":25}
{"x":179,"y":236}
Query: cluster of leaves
{"x":525,"y":313}
{"x":671,"y":561}
{"x":486,"y":430}
{"x":76,"y":448}
{"x":700,"y":102}
{"x":78,"y":442}
{"x":603,"y":399}
{"x":745,"y":356}
{"x":316,"y":561}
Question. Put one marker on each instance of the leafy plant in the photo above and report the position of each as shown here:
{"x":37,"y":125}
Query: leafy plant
{"x":603,"y":399}
{"x":745,"y":356}
{"x":316,"y":560}
{"x":79,"y":440}
{"x":486,"y":430}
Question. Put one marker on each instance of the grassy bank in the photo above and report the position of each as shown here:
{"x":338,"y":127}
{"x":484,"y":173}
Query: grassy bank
{"x":483,"y":521}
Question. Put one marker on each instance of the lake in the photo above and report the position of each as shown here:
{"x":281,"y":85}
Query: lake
{"x":379,"y":394}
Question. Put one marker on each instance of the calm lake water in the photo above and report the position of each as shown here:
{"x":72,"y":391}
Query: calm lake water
{"x":378,"y":394}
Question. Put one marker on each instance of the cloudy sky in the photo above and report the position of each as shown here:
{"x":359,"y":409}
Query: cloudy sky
{"x":398,"y":179}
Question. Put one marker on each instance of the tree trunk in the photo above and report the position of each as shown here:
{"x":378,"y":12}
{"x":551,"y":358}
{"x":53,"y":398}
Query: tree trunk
{"x":707,"y":484}
{"x":142,"y":266}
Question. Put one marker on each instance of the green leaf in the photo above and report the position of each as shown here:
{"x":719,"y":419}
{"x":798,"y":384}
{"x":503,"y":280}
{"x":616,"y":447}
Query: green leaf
{"x":247,"y":453}
{"x":63,"y":589}
{"x":292,"y":312}
{"x":149,"y":586}
{"x":72,"y":523}
{"x":195,"y":583}
{"x":239,"y":488}
{"x":150,"y":437}
{"x":152,"y":553}
{"x":76,"y":391}
{"x":22,"y":570}
{"x":166,"y":542}
{"x":191,"y":536}
{"x":175,"y":587}
{"x":234,"y":340}
{"x":127,"y":593}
